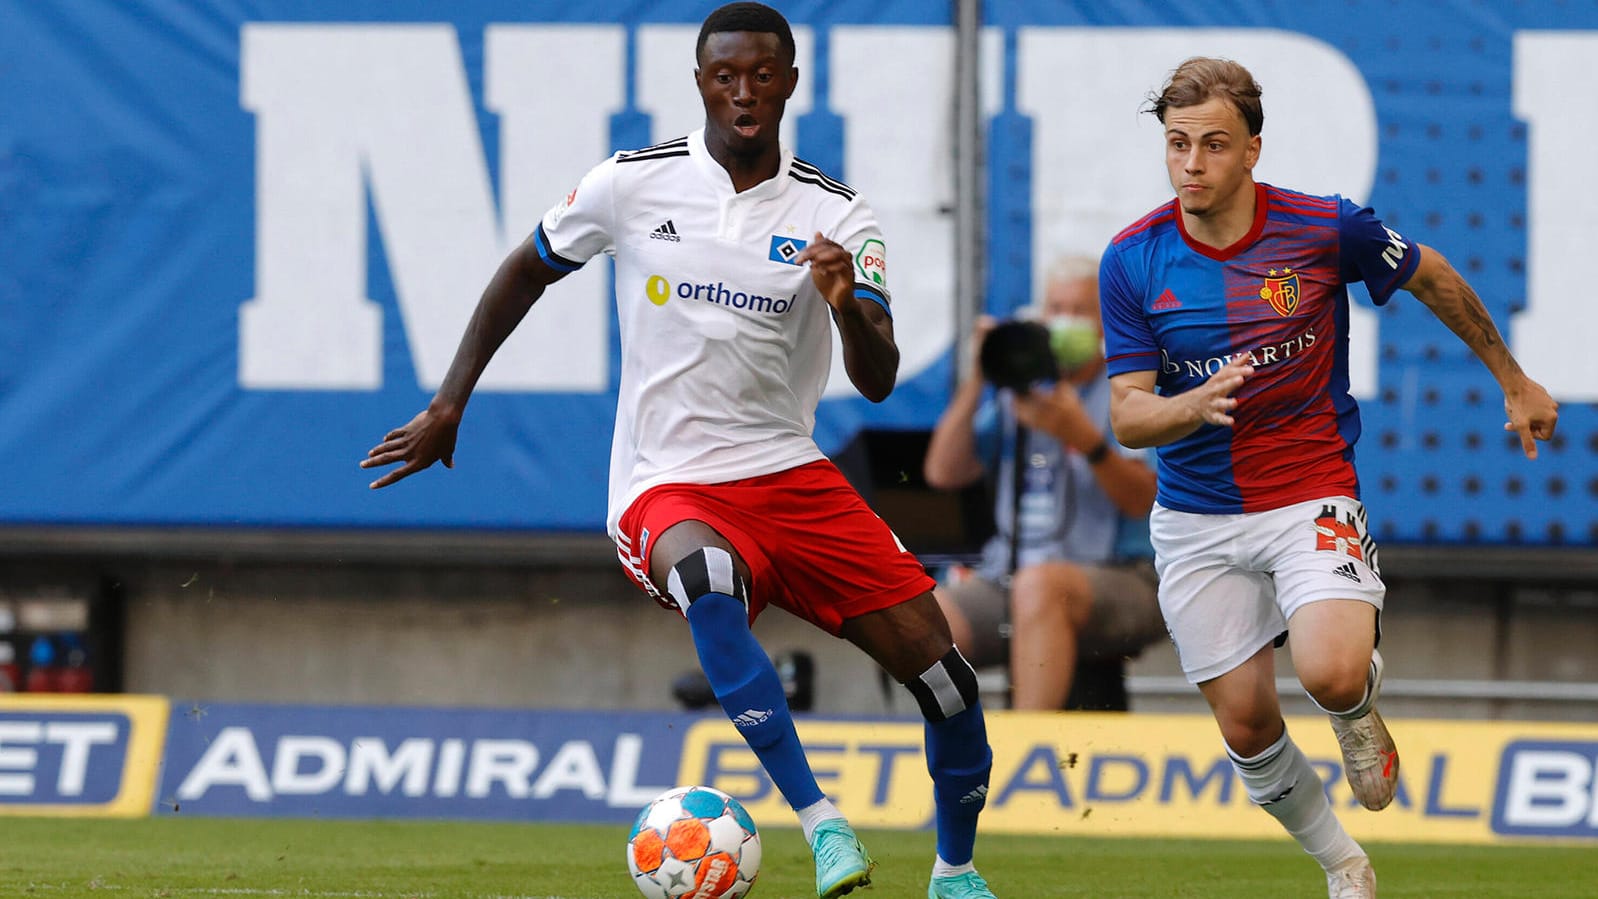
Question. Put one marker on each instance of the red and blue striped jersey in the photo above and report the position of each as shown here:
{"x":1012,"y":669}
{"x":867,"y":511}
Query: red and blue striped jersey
{"x":1183,"y":309}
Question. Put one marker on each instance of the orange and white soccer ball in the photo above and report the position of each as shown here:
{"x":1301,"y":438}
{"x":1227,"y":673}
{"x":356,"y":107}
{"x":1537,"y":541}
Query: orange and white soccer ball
{"x":694,"y":843}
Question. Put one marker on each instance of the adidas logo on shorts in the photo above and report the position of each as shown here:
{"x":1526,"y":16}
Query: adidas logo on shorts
{"x":751,"y":717}
{"x":668,"y":231}
{"x":1347,"y":570}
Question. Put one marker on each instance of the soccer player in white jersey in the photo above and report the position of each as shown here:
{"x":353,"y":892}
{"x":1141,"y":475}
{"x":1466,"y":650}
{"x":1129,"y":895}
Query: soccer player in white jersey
{"x":734,"y":260}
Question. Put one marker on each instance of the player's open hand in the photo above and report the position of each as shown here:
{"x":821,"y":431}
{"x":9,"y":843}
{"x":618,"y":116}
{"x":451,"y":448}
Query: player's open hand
{"x":831,"y":269}
{"x":1213,"y":399}
{"x":1532,"y":414}
{"x":425,"y":439}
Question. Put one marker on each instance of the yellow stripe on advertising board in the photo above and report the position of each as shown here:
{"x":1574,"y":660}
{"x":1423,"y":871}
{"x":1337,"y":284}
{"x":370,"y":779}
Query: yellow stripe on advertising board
{"x":875,"y":770}
{"x":1105,"y":774}
{"x":31,"y":728}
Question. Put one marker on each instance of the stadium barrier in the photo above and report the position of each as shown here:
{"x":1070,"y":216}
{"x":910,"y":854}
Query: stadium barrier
{"x":1067,"y":773}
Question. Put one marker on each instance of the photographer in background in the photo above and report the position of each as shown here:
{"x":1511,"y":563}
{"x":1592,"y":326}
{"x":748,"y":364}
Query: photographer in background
{"x":1076,"y":577}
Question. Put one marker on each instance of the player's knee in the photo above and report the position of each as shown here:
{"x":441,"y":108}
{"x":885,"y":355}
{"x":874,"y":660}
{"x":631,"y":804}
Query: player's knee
{"x":1336,"y":688}
{"x":1248,"y":743}
{"x":1032,"y":580}
{"x":1248,"y":735}
{"x":713,"y":597}
{"x":1027,"y":607}
{"x":1051,"y":590}
{"x":703,"y":572}
{"x":946,"y":689}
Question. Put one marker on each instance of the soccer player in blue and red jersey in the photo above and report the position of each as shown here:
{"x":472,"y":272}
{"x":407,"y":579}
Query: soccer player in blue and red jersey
{"x":1226,"y":327}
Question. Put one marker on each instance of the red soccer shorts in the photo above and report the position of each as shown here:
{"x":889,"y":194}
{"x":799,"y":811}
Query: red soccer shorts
{"x":812,"y":544}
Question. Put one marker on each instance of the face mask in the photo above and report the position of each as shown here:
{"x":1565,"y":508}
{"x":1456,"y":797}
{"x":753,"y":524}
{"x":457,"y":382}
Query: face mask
{"x":1075,"y":341}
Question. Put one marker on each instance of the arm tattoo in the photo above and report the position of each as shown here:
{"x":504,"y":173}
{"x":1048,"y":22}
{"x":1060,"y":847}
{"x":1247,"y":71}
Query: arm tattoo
{"x":1473,"y":318}
{"x":1456,"y":305}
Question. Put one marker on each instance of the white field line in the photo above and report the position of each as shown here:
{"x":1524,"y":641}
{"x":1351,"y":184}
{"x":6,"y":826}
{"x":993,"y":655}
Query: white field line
{"x":97,"y":887}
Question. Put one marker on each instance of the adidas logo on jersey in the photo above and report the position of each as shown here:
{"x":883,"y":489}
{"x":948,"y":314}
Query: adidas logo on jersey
{"x":1167,"y":300}
{"x":667,"y":231}
{"x":1347,"y":570}
{"x":751,"y":717}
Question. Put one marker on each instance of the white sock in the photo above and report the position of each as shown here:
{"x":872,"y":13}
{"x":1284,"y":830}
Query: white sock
{"x":941,"y":868}
{"x":1281,"y":781}
{"x":815,"y":813}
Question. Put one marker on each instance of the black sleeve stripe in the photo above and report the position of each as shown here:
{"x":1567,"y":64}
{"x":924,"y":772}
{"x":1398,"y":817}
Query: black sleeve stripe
{"x":647,"y":155}
{"x":844,"y":192}
{"x":676,"y":143}
{"x":813,"y":169}
{"x":810,"y":169}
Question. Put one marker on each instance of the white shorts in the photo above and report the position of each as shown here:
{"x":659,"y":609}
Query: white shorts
{"x":1230,"y":583}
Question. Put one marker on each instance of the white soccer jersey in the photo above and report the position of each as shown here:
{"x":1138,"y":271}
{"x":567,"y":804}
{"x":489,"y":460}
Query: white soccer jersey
{"x":726,"y":344}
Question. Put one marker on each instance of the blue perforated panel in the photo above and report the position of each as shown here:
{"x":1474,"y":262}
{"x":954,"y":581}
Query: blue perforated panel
{"x":1435,"y":464}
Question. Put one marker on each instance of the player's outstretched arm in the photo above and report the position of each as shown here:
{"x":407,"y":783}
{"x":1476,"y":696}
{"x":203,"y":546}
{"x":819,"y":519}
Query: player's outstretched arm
{"x":1531,"y":411}
{"x":870,"y":356}
{"x":1142,"y":418}
{"x":430,"y":436}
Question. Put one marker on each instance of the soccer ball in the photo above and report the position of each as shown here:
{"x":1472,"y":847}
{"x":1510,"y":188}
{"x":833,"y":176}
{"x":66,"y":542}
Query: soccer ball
{"x":694,"y":843}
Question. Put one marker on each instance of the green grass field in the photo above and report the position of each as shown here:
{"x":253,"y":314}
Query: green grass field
{"x":179,"y":857}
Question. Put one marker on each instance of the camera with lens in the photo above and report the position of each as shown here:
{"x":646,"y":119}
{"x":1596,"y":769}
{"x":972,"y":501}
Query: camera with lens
{"x":1021,"y":353}
{"x":1018,"y":354}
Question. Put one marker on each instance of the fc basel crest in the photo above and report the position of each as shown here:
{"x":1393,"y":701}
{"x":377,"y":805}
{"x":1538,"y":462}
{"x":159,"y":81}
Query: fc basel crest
{"x":1281,"y":292}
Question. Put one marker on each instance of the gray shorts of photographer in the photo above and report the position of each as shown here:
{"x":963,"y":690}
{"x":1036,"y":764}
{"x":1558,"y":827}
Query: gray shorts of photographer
{"x":1126,"y":613}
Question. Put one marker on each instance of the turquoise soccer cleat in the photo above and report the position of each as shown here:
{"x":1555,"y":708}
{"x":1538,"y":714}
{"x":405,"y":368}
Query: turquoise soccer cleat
{"x":969,"y":885}
{"x":841,"y":862}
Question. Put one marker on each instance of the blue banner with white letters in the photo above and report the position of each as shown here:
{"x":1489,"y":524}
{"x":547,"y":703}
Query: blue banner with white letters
{"x":336,"y":762}
{"x":238,"y":243}
{"x":1145,"y":775}
{"x":77,"y":757}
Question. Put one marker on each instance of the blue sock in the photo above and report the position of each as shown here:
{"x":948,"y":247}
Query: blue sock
{"x":959,"y":760}
{"x":746,"y":684}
